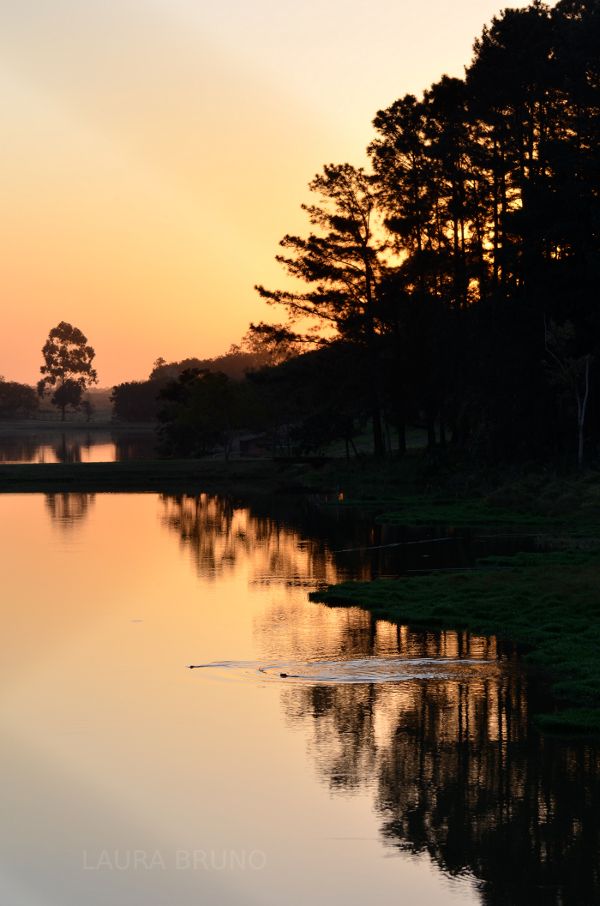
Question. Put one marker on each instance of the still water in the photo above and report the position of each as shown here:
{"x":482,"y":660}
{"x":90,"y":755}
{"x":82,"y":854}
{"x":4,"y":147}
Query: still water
{"x":387,"y":766}
{"x":75,"y":445}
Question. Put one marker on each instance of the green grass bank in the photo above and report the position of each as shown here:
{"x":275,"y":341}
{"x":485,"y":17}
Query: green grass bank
{"x":159,"y":476}
{"x":548,"y":603}
{"x":420,"y":490}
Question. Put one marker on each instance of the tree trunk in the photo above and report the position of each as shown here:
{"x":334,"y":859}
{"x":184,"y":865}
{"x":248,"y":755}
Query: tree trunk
{"x":388,"y":438}
{"x":401,"y":435}
{"x":378,"y":447}
{"x":373,"y":377}
{"x":430,"y":432}
{"x":581,"y":410}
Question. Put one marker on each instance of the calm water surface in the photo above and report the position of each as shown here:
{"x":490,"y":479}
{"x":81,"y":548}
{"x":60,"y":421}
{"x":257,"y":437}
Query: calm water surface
{"x":75,"y":445}
{"x":388,"y":767}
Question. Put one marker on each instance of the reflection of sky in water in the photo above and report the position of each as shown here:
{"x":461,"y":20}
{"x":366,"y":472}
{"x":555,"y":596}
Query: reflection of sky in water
{"x":75,"y":446}
{"x":111,"y":745}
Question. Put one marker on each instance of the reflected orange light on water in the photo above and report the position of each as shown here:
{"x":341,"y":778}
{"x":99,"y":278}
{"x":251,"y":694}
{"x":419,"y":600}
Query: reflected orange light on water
{"x":111,"y":743}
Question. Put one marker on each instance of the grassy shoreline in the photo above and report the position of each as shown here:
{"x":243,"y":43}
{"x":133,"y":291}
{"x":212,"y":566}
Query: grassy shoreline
{"x":547,"y":603}
{"x":136,"y":476}
{"x":77,"y":426}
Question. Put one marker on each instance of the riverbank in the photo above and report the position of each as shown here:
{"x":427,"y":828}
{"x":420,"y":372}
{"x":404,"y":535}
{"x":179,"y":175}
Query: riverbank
{"x":548,"y":603}
{"x":54,"y":425}
{"x":158,"y":476}
{"x":419,"y":491}
{"x":405,"y":493}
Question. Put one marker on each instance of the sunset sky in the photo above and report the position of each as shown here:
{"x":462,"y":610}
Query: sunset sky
{"x":155,"y":151}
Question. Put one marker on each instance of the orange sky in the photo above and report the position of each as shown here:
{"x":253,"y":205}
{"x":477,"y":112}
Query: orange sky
{"x":155,"y":151}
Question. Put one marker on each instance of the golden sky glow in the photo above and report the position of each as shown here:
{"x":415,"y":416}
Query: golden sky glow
{"x":155,"y":151}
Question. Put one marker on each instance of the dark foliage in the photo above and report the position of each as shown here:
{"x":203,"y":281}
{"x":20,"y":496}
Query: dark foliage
{"x":67,"y":367}
{"x":202,"y":412}
{"x":466,"y":266}
{"x":235,"y":364}
{"x":17,"y":400}
{"x":136,"y":401}
{"x":314,"y":399}
{"x":452,"y":286}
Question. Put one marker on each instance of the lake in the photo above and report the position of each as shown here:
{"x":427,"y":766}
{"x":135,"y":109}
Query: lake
{"x":386,"y":766}
{"x":49,"y":444}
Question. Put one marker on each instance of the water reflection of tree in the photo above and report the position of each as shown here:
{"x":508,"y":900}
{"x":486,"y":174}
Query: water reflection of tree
{"x":69,"y":509}
{"x":222,"y":535}
{"x":301,"y":539}
{"x":68,"y":449}
{"x":456,"y":768}
{"x":460,"y":773}
{"x":75,"y":445}
{"x":18,"y":449}
{"x":134,"y":446}
{"x":47,"y":447}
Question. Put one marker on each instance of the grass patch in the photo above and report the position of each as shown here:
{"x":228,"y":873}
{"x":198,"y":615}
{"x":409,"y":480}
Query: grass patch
{"x":441,"y":511}
{"x":417,"y":490}
{"x":162,"y":475}
{"x":548,"y":603}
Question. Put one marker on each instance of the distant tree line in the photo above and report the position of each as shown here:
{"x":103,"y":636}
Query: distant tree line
{"x":17,"y":400}
{"x":141,"y":401}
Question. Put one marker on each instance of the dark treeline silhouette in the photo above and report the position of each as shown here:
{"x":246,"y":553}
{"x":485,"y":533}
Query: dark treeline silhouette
{"x":136,"y":401}
{"x":297,"y":406}
{"x":235,"y":364}
{"x":464,"y":268}
{"x":142,"y":401}
{"x":202,"y":411}
{"x":17,"y":400}
{"x":452,"y":286}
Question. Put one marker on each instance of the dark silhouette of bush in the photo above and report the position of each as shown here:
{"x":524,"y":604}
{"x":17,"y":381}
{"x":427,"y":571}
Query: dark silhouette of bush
{"x":136,"y":401}
{"x":17,"y":400}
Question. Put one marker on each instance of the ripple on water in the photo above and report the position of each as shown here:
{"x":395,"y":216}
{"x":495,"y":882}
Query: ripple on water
{"x":358,"y":670}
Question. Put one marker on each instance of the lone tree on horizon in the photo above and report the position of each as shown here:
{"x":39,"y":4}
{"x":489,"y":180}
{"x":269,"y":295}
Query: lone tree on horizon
{"x":67,"y":367}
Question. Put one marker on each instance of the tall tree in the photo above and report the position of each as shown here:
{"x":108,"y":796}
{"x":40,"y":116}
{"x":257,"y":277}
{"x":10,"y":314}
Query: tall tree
{"x":342,"y":262}
{"x":570,"y":373}
{"x":420,"y":156}
{"x":67,"y":367}
{"x":487,"y":191}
